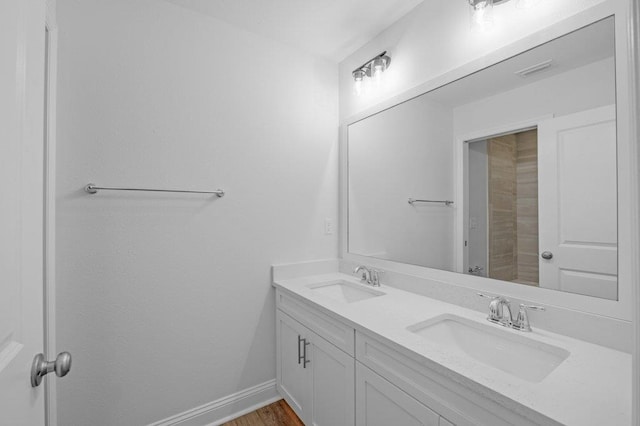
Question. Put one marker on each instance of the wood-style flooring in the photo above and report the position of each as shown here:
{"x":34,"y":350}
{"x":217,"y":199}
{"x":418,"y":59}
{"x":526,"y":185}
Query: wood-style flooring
{"x":277,"y":414}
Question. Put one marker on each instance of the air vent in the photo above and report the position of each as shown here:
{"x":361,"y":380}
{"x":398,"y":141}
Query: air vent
{"x":526,"y":72}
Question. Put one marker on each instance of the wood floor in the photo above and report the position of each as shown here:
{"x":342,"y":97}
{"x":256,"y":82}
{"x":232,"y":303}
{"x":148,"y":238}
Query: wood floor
{"x":277,"y":414}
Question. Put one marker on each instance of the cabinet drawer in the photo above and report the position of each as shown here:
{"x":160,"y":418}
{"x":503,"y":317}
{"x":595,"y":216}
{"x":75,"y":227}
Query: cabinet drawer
{"x":330,"y":329}
{"x":451,"y":399}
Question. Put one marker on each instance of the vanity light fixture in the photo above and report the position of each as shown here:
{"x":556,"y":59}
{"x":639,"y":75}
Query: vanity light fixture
{"x":373,"y":68}
{"x":481,"y":11}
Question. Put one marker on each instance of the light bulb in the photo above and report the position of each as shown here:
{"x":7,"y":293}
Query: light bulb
{"x":358,"y":77}
{"x":379,"y":65}
{"x":377,"y":76}
{"x":481,"y":14}
{"x":358,"y":87}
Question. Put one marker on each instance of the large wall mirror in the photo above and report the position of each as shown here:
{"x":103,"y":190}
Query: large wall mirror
{"x":508,"y":173}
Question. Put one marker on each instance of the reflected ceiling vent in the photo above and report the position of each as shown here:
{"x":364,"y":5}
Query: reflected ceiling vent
{"x":526,"y":72}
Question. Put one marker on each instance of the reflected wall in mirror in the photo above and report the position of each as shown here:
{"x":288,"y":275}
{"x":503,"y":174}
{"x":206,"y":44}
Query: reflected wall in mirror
{"x":508,"y":173}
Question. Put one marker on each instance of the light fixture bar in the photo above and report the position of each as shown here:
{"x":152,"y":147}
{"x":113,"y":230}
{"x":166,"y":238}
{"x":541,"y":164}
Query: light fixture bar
{"x":373,"y":69}
{"x":367,"y":65}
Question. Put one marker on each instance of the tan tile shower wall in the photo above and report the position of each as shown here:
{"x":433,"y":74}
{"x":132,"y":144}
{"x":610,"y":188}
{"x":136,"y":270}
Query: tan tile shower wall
{"x":527,"y":206}
{"x":501,"y":154}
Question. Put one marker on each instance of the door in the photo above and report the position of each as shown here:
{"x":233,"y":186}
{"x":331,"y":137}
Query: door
{"x":380,"y":403}
{"x":293,"y":374}
{"x":333,"y":377}
{"x":578,"y":203}
{"x":22,"y":40}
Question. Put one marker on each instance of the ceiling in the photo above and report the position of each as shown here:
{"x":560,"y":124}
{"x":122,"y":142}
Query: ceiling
{"x":329,"y":28}
{"x":587,"y":45}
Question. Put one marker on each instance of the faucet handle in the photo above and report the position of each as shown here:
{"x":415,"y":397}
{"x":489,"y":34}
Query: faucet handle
{"x":375,"y":277}
{"x":534,"y":307}
{"x":486,"y":296}
{"x":500,"y":298}
{"x":522,"y":321}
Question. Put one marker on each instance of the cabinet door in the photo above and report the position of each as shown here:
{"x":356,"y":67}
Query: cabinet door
{"x":333,"y":384}
{"x":379,"y":403}
{"x":292,"y":379}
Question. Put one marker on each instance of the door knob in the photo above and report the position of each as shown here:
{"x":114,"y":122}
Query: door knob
{"x":547,"y":255}
{"x":41,"y":367}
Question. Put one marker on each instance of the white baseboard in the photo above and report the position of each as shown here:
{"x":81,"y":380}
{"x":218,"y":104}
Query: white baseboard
{"x":225,"y":409}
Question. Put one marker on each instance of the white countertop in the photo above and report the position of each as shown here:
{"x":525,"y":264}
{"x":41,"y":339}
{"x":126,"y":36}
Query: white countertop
{"x":591,"y":387}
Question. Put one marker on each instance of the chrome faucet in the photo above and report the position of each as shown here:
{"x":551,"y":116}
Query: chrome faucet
{"x":369,"y":276}
{"x":500,"y":313}
{"x":499,"y":310}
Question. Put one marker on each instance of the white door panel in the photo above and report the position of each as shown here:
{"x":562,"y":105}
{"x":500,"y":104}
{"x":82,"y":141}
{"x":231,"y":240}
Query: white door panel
{"x":21,"y":210}
{"x":578,"y":202}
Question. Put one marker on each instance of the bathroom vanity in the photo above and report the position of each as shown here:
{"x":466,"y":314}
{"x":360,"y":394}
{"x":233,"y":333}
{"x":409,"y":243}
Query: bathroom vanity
{"x":348,"y":353}
{"x":509,"y":176}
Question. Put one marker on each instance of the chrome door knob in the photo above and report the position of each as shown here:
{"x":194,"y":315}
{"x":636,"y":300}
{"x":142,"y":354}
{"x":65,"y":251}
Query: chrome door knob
{"x":547,"y":255}
{"x":41,"y":367}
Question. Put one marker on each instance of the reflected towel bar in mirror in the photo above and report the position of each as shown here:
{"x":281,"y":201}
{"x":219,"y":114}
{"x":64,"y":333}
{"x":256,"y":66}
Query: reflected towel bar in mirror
{"x":92,"y":188}
{"x":445,"y":202}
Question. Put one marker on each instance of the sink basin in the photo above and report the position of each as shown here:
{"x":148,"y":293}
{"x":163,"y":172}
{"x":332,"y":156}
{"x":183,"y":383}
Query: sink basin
{"x":517,"y":355}
{"x":345,"y":291}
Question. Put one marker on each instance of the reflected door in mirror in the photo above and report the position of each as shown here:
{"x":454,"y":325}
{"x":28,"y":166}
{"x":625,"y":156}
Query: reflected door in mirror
{"x":578,"y":215}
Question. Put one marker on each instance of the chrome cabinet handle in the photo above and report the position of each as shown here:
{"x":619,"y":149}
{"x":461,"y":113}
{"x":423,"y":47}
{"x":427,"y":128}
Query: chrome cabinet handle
{"x":41,"y":367}
{"x":547,"y":255}
{"x":302,"y":355}
{"x":306,"y":361}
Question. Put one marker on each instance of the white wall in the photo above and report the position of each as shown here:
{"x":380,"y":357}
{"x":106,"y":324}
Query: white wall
{"x":401,"y":153}
{"x":436,"y":38}
{"x":165,"y":301}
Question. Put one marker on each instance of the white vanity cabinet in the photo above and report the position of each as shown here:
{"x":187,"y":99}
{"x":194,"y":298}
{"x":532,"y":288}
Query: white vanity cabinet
{"x":333,"y":375}
{"x":316,"y":374}
{"x":455,"y":401}
{"x":315,"y":377}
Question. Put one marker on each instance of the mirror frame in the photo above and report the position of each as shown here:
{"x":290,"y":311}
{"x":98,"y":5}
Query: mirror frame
{"x":628,"y":240}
